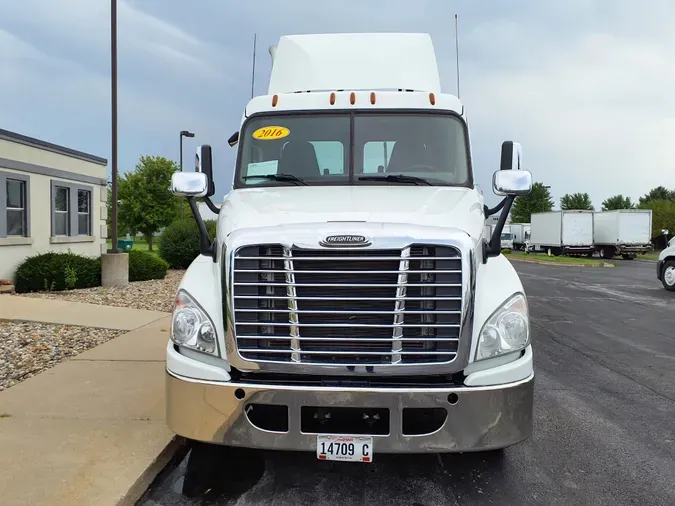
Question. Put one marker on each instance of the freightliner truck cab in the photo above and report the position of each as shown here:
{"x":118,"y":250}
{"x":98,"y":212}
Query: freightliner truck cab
{"x":350,"y":303}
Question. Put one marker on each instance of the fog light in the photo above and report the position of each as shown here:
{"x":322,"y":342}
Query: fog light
{"x":206,"y":333}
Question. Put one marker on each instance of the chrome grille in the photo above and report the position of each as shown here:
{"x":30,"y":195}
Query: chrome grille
{"x":348,"y":307}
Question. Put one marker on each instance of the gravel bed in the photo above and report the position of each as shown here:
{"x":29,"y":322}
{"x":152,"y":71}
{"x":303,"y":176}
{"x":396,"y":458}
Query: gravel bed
{"x":156,"y":295}
{"x":28,"y":348}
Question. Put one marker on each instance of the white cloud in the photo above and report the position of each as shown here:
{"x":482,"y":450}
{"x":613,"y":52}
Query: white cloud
{"x":595,"y":114}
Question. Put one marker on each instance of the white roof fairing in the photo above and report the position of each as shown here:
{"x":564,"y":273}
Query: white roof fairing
{"x":354,"y":61}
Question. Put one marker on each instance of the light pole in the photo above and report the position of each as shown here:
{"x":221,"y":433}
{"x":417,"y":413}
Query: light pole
{"x":113,"y":84}
{"x":183,"y":133}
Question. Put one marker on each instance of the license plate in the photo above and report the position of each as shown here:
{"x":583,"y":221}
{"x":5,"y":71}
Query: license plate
{"x":345,"y":448}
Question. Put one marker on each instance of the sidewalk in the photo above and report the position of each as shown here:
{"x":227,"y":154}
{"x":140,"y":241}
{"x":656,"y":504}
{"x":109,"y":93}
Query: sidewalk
{"x":92,"y":429}
{"x":15,"y":307}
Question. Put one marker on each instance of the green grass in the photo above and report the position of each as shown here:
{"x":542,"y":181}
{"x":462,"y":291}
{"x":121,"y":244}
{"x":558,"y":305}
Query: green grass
{"x":140,"y":244}
{"x":543,"y":258}
{"x":650,"y":256}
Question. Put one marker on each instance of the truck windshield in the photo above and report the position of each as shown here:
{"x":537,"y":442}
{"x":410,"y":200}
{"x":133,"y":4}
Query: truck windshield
{"x":507,"y":236}
{"x":361,"y":148}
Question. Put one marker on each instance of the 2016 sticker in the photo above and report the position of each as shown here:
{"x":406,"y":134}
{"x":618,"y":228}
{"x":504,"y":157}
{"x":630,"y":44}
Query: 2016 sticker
{"x":271,"y":133}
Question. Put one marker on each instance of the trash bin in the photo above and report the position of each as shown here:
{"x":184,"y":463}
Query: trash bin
{"x":125,"y":244}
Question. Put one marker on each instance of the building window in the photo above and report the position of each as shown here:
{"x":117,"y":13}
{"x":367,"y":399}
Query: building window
{"x":61,"y":208}
{"x":71,"y":209}
{"x":83,"y":212}
{"x":16,"y":207}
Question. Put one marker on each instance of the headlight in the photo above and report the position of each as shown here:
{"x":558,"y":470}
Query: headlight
{"x":507,"y":330}
{"x":191,"y":327}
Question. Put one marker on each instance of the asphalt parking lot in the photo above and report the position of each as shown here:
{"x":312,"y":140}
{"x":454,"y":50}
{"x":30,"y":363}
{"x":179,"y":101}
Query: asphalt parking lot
{"x":604,"y":349}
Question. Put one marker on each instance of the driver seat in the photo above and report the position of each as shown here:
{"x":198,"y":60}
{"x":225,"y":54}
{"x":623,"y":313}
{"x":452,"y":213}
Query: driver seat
{"x":299,"y":159}
{"x":407,"y":153}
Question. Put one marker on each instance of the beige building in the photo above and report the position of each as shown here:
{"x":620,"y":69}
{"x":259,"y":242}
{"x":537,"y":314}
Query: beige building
{"x":52,"y":198}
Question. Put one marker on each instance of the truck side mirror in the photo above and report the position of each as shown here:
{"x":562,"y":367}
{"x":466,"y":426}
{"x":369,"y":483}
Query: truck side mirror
{"x":512,"y":182}
{"x":189,"y":184}
{"x":512,"y":153}
{"x":203,"y":164}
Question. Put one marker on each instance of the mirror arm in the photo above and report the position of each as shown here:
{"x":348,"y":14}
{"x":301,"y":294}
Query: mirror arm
{"x":489,"y":212}
{"x":494,"y":247}
{"x":211,"y":205}
{"x":206,"y":246}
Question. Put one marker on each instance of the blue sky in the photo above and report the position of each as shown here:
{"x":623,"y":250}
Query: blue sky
{"x":585,"y":85}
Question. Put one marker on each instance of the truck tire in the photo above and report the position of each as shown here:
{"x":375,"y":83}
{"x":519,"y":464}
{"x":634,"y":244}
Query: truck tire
{"x":629,"y":256}
{"x":668,"y":275}
{"x":606,"y":253}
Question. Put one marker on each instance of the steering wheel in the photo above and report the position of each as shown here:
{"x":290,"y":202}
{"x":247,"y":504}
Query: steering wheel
{"x":422,"y":167}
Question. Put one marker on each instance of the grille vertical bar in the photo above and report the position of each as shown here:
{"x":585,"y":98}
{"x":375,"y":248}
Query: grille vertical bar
{"x":292,"y":304}
{"x":399,"y":315}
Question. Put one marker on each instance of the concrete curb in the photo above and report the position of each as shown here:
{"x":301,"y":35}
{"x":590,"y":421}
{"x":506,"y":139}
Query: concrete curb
{"x":558,"y":264}
{"x":177,"y":447}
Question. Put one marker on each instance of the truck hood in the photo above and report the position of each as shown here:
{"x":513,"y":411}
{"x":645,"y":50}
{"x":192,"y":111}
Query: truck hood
{"x":460,"y":208}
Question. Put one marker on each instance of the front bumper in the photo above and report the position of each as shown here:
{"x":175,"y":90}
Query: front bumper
{"x":481,"y":418}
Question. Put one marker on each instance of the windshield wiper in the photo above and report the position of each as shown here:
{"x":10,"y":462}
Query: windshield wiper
{"x":279,"y":177}
{"x":397,"y":178}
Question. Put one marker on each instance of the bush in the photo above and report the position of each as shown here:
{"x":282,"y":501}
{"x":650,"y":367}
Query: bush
{"x":57,"y":271}
{"x":144,"y":266}
{"x":178,"y":244}
{"x":506,"y":251}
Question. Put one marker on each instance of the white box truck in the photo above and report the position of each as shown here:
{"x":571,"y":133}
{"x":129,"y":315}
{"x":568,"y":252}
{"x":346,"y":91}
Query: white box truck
{"x":507,"y":238}
{"x":521,"y":234}
{"x":349,"y":304}
{"x":563,"y":232}
{"x":624,"y":232}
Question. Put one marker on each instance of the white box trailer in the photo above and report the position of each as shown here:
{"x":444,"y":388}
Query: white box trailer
{"x":625,"y":232}
{"x":487,"y":232}
{"x":521,"y":234}
{"x":563,"y":232}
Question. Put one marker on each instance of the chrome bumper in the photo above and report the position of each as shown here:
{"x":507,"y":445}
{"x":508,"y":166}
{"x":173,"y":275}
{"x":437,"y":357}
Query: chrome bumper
{"x":482,"y":418}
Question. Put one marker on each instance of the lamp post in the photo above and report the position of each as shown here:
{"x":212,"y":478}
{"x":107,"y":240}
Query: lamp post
{"x":183,"y":133}
{"x":113,"y":85}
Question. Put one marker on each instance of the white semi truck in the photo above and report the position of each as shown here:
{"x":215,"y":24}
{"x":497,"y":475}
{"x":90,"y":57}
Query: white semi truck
{"x":562,"y":232}
{"x":665,"y":267}
{"x":349,"y":304}
{"x":624,"y":232}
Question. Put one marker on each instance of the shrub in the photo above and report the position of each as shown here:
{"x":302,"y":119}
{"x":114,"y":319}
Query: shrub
{"x":57,"y":271}
{"x":178,"y":244}
{"x":144,"y":266}
{"x":506,"y":251}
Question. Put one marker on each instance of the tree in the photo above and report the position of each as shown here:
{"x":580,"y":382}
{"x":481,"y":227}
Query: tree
{"x":617,"y":202}
{"x":146,"y":203}
{"x":658,"y":193}
{"x":539,"y":200}
{"x":575,"y":201}
{"x":663,"y":217}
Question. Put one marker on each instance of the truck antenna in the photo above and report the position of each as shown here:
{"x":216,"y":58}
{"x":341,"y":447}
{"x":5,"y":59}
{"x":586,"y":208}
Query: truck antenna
{"x":255,"y":41}
{"x":457,"y":49}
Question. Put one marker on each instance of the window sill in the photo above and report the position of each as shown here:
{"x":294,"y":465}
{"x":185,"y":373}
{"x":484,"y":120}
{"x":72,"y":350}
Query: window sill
{"x":16,"y":241}
{"x":65,"y":239}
